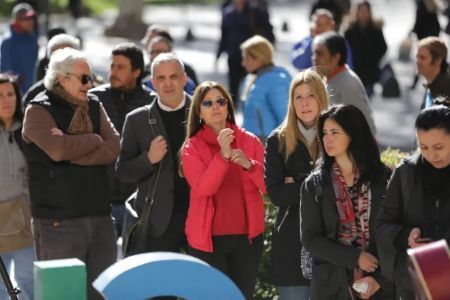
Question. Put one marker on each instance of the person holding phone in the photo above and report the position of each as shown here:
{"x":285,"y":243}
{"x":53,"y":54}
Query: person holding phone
{"x":417,"y":206}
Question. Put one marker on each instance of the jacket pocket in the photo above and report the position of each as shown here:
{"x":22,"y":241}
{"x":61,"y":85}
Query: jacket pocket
{"x":326,"y":281}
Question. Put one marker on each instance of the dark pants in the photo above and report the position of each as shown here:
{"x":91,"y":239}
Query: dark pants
{"x":90,"y":239}
{"x":117,"y":214}
{"x":235,"y":257}
{"x":235,"y":75}
{"x":174,"y":239}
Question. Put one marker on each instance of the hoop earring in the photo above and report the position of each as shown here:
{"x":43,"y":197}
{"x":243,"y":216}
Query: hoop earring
{"x":201,"y":121}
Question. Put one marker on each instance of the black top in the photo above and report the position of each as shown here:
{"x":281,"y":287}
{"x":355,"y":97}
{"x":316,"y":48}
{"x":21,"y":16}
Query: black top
{"x":368,"y":47}
{"x":286,"y":246}
{"x":410,"y":204}
{"x":436,"y":190}
{"x":175,"y":125}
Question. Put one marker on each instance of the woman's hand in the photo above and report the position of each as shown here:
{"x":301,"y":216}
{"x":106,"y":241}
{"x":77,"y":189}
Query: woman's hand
{"x":225,"y":139}
{"x":367,"y":262}
{"x":372,"y":286}
{"x":238,"y":157}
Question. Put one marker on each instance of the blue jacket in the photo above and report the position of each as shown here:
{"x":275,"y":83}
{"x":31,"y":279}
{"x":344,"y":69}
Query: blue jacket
{"x":18,"y":55}
{"x":266,"y":103}
{"x":301,"y":54}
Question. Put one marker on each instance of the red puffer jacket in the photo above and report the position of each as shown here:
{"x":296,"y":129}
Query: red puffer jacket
{"x":204,"y":169}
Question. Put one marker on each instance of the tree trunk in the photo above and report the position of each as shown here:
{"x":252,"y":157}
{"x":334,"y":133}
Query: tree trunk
{"x":128,"y":23}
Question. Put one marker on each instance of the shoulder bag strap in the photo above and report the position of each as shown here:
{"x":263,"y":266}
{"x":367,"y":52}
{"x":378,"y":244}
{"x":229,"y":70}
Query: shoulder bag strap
{"x":152,"y":190}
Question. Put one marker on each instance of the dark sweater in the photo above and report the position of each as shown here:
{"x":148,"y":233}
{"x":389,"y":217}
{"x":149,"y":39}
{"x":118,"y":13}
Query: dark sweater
{"x":175,"y":125}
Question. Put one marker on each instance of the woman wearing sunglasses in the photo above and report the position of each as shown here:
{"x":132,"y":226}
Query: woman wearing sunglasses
{"x":223,"y":165}
{"x":340,"y":201}
{"x":291,"y":151}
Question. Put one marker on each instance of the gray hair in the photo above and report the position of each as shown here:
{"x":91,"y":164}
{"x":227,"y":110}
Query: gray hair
{"x":164,"y":58}
{"x":160,"y":39}
{"x":62,"y":40}
{"x":61,"y":63}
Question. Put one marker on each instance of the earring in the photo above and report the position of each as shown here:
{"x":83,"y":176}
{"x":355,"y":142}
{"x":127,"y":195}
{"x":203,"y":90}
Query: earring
{"x":200,"y":121}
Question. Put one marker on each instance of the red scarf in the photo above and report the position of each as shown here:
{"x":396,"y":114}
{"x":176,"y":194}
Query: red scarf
{"x":353,"y":207}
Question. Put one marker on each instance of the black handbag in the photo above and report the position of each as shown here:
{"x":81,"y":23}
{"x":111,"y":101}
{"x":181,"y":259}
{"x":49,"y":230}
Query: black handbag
{"x":136,"y":231}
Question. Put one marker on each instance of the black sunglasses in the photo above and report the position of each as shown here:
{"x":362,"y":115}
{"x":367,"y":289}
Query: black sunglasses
{"x":208,"y":103}
{"x":84,"y":78}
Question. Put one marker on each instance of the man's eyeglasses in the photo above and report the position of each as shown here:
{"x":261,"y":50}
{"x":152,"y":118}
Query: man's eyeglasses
{"x":84,"y":78}
{"x":208,"y":103}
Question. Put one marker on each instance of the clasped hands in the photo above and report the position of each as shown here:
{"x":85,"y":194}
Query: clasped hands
{"x":237,"y":156}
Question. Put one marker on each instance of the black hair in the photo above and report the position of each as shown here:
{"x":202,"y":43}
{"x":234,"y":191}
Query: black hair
{"x":134,"y":54}
{"x":434,"y":117}
{"x":363,"y":148}
{"x":335,"y":44}
{"x":7,"y":78}
{"x":54,"y":31}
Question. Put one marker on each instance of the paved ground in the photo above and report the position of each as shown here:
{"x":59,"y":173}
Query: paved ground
{"x":394,"y":117}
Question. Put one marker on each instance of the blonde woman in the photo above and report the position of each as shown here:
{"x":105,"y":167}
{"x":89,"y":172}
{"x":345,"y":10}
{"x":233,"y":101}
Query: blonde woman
{"x":290,"y":154}
{"x":265,"y":89}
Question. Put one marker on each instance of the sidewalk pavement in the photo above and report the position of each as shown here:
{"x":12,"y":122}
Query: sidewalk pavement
{"x":394,"y":118}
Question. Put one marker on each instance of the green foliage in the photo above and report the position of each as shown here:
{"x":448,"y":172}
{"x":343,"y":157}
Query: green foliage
{"x":6,"y":7}
{"x":264,"y":290}
{"x":392,"y":157}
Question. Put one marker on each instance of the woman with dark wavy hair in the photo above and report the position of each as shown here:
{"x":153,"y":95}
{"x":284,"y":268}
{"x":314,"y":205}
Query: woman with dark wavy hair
{"x":223,"y":165}
{"x":339,"y":203}
{"x":16,"y":241}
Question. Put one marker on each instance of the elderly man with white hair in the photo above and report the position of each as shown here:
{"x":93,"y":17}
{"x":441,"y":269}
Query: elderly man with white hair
{"x":59,"y":41}
{"x":69,"y":141}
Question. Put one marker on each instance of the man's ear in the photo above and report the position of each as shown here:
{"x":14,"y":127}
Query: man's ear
{"x":437,"y":62}
{"x":136,"y":73}
{"x":62,"y":79}
{"x":335,"y":60}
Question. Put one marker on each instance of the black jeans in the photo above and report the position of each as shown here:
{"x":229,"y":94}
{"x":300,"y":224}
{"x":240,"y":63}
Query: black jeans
{"x":237,"y":258}
{"x":90,"y":239}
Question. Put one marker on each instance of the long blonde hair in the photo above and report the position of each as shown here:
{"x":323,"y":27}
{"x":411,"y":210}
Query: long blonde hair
{"x":289,"y":134}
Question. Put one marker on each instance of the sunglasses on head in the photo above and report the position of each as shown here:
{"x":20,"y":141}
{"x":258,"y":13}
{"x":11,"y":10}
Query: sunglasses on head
{"x":84,"y":78}
{"x":208,"y":103}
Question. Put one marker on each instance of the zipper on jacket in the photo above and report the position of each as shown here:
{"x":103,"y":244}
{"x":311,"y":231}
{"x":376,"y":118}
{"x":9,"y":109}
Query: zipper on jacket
{"x":286,"y":213}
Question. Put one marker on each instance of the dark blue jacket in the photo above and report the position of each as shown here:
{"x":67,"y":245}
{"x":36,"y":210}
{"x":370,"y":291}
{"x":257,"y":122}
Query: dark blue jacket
{"x":18,"y":55}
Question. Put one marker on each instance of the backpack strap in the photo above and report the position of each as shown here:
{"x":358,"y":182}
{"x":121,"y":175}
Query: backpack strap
{"x":318,"y":187}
